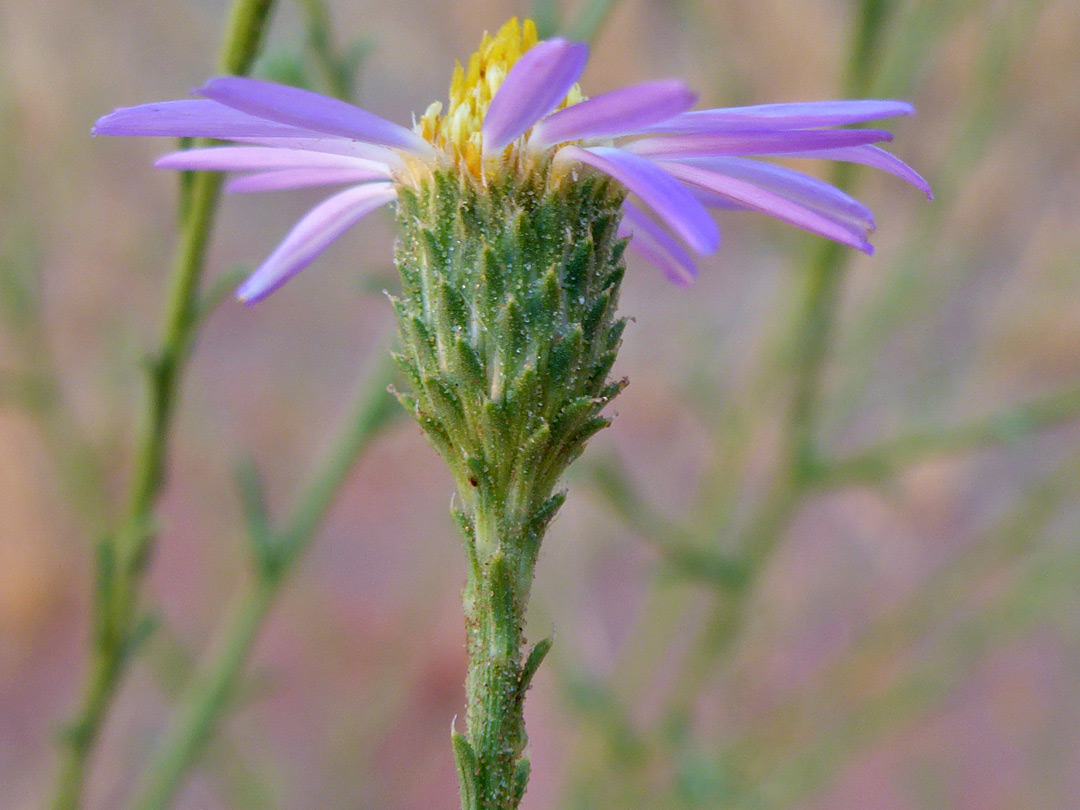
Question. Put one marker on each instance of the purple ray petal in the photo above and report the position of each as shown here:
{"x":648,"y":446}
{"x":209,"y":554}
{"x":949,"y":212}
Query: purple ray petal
{"x":190,"y":118}
{"x":652,"y":253}
{"x":262,"y":158}
{"x":656,"y":188}
{"x":797,"y":115}
{"x":629,"y":109}
{"x":710,"y":200}
{"x":330,"y":144}
{"x":535,"y":86}
{"x":299,"y":178}
{"x":766,"y":202}
{"x":311,"y":235}
{"x":303,"y":108}
{"x":653,"y":242}
{"x":724,"y":144}
{"x":796,"y":186}
{"x":873,"y":156}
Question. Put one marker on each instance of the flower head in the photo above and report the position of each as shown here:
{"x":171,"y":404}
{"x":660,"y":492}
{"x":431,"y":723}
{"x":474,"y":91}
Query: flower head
{"x":516,"y":109}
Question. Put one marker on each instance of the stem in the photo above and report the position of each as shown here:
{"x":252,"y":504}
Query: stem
{"x":810,"y":339}
{"x":118,"y":619}
{"x":317,"y":26}
{"x":494,"y":721}
{"x":590,"y":19}
{"x":814,"y":325}
{"x":492,"y":768}
{"x":508,"y":407}
{"x":879,"y":461}
{"x":201,"y":709}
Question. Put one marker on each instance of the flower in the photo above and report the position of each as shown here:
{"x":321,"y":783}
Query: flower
{"x":516,"y":107}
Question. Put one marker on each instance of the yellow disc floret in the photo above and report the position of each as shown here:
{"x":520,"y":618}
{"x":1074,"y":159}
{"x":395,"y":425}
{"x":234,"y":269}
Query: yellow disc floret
{"x":458,"y":133}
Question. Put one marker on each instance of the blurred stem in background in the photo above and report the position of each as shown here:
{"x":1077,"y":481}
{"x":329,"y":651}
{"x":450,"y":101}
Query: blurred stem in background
{"x":811,"y":335}
{"x":275,"y":553}
{"x":119,"y":624}
{"x":731,"y":569}
{"x":338,"y":69}
{"x":815,"y":323}
{"x":585,"y":25}
{"x":779,"y":764}
{"x":34,"y":387}
{"x":910,"y":290}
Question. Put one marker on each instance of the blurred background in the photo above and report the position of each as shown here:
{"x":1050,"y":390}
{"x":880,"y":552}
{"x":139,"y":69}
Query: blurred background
{"x":905,"y":633}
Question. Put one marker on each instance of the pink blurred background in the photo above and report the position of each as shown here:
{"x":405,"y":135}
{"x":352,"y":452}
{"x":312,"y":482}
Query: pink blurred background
{"x":973,"y":684}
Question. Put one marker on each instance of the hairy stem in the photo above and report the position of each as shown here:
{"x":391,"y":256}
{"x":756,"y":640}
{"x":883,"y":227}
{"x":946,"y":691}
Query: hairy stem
{"x":509,"y":330}
{"x":118,"y":620}
{"x":494,"y":614}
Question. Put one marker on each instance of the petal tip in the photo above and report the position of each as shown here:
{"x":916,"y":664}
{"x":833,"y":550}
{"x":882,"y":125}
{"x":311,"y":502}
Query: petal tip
{"x":248,"y":295}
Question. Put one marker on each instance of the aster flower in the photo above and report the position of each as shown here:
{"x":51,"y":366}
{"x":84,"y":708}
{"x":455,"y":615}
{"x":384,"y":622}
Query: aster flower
{"x":517,"y":107}
{"x":514,"y":206}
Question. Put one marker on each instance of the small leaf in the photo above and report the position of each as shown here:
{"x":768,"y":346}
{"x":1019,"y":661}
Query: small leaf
{"x":264,"y":546}
{"x":521,"y":780}
{"x":532,"y":663}
{"x":538,"y":523}
{"x":445,"y":403}
{"x":513,"y":330}
{"x":468,"y":538}
{"x":531,"y":455}
{"x":451,"y":308}
{"x":468,"y":768}
{"x":144,"y":627}
{"x":600,"y":311}
{"x":551,"y":300}
{"x":492,"y":282}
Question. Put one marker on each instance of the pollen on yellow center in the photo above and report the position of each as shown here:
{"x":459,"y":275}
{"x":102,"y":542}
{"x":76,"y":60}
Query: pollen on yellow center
{"x":457,"y":133}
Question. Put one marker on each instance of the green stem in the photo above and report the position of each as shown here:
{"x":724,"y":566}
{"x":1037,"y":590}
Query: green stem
{"x":493,"y":771}
{"x":810,"y":338}
{"x":884,"y":459}
{"x":201,"y":709}
{"x":814,"y":325}
{"x":590,"y":19}
{"x":495,"y":725}
{"x":317,"y":30}
{"x":680,"y":548}
{"x":118,"y":620}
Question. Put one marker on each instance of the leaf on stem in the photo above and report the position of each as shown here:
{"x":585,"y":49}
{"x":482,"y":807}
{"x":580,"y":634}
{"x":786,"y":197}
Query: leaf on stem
{"x":144,"y":627}
{"x":532,"y":663}
{"x":220,"y":290}
{"x":468,"y":769}
{"x":521,"y":779}
{"x":264,"y":544}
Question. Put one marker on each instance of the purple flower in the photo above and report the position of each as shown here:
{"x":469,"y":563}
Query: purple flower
{"x":516,"y":107}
